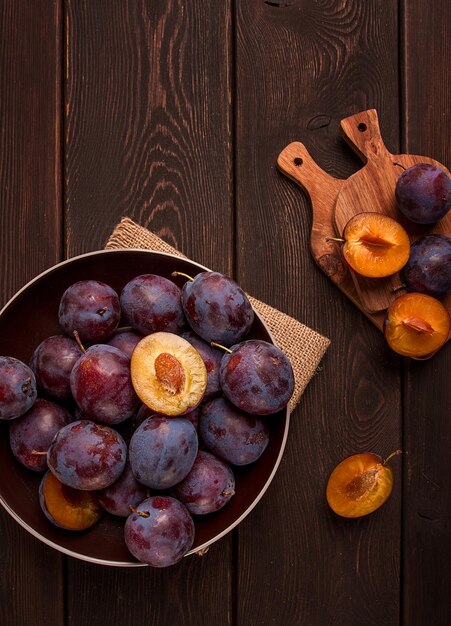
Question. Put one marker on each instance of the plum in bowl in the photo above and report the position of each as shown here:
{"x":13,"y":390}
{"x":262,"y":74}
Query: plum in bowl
{"x":30,"y":317}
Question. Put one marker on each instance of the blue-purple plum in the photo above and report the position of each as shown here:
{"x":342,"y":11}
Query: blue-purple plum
{"x":231,"y":434}
{"x":423,"y":192}
{"x":208,"y":487}
{"x":17,"y":388}
{"x":217,"y":309}
{"x":91,"y":308}
{"x":102,"y":387}
{"x":212,"y":358}
{"x":257,"y":377}
{"x":87,"y":456}
{"x":428,"y":269}
{"x":151,"y":304}
{"x":125,"y":341}
{"x":160,"y":532}
{"x":31,"y":434}
{"x":122,"y":494}
{"x":52,"y":363}
{"x":162,"y":451}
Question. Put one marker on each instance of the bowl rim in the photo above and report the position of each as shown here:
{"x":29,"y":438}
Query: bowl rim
{"x":205,"y":546}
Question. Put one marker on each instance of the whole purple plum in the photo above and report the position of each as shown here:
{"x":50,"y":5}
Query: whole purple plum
{"x":87,"y":456}
{"x":257,"y":377}
{"x":102,"y":386}
{"x":231,"y":434}
{"x":91,"y":308}
{"x":428,"y":269}
{"x":125,"y":341}
{"x":423,"y":192}
{"x":34,"y":432}
{"x":208,"y":487}
{"x":160,"y":532}
{"x":162,"y":451}
{"x":212,"y":358}
{"x":52,"y":363}
{"x":17,"y":388}
{"x":122,"y":494}
{"x":217,"y":309}
{"x":152,"y":303}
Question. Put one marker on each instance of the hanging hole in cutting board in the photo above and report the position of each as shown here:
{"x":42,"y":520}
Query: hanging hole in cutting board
{"x":298,"y":161}
{"x":362,"y":127}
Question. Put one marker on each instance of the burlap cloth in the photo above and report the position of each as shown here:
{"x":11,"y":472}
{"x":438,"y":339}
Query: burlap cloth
{"x":303,"y":346}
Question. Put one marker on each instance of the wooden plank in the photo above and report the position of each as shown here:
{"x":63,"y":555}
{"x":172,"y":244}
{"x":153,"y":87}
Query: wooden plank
{"x":300,"y":68}
{"x":427,"y":404}
{"x":31,"y":588}
{"x":148,"y":135}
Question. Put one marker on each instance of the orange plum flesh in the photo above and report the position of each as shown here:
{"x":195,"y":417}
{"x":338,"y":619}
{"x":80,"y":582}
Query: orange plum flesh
{"x":359,"y":485}
{"x":416,"y":325}
{"x":66,"y":507}
{"x":375,"y":245}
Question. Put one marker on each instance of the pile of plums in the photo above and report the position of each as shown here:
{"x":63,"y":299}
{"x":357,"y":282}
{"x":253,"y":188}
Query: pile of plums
{"x":376,"y":246}
{"x":194,"y":396}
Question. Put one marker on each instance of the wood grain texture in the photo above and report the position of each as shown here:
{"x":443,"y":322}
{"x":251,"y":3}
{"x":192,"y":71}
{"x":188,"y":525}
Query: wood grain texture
{"x":427,"y":428}
{"x":148,"y":123}
{"x":300,"y":68}
{"x":148,"y":135}
{"x":30,"y":241}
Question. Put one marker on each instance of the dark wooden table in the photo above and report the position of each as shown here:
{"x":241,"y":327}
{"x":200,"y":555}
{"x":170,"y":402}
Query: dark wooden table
{"x":173,"y":113}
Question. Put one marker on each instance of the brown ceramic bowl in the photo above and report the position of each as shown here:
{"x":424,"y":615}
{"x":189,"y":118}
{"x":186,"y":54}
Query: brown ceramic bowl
{"x":31,"y":316}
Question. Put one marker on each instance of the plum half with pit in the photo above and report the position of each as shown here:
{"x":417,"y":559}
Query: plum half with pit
{"x":168,"y":374}
{"x":152,"y":304}
{"x":232,"y":434}
{"x":31,"y":434}
{"x":423,"y":192}
{"x":17,"y":388}
{"x":102,"y":387}
{"x":257,"y":377}
{"x":160,"y":531}
{"x":87,"y":456}
{"x":216,"y":307}
{"x":52,"y":363}
{"x":162,"y":451}
{"x":66,"y":507}
{"x":91,"y":308}
{"x":416,"y":325}
{"x":428,"y":269}
{"x":208,"y":487}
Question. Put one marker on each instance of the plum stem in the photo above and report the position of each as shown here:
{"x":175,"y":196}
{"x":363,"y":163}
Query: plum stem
{"x":140,"y":513}
{"x":78,"y":340}
{"x":402,"y":286}
{"x":40,"y":452}
{"x":218,"y":345}
{"x":182,"y":274}
{"x":399,"y":165}
{"x":228,"y":493}
{"x":395,"y":453}
{"x":337,"y":239}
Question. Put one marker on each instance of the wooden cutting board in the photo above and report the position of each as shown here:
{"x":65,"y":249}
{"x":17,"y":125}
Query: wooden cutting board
{"x":334,"y":201}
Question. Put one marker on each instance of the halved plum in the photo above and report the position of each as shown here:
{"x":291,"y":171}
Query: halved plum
{"x":375,"y":245}
{"x":66,"y":507}
{"x":360,"y":484}
{"x":416,"y":325}
{"x":168,"y":374}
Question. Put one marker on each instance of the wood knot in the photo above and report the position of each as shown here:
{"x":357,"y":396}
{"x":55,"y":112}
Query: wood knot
{"x":332,"y":266}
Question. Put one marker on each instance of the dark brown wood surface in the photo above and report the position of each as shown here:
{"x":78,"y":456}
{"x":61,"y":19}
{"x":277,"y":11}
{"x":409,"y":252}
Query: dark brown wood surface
{"x":173,"y":113}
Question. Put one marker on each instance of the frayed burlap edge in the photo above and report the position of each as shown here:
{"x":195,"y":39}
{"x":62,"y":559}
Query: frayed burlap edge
{"x":303,"y":346}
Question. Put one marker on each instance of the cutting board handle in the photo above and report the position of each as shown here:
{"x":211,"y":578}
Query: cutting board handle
{"x":295,"y":162}
{"x":363,"y":134}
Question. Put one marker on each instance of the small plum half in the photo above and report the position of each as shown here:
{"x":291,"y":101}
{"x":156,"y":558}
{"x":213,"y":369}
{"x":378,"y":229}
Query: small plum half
{"x":168,"y":374}
{"x":375,"y":245}
{"x":66,"y":507}
{"x":416,"y":325}
{"x":359,"y":485}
